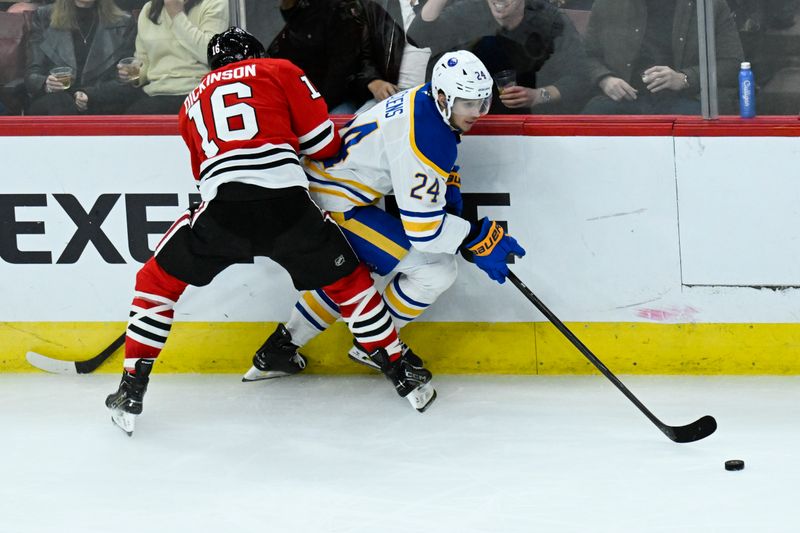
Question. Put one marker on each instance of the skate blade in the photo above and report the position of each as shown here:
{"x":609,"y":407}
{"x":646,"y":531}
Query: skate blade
{"x":362,"y":358}
{"x":125,"y":421}
{"x":255,"y":374}
{"x":422,"y":397}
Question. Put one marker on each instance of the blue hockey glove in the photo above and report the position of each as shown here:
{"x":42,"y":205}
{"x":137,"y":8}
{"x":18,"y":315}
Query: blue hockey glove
{"x":454,"y":204}
{"x":491,"y":248}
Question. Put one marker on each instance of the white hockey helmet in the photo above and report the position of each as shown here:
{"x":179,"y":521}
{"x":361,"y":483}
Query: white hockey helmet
{"x":461,"y":74}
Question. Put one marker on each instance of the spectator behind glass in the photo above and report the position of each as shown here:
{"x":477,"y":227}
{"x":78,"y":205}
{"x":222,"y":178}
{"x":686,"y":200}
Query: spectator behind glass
{"x":574,"y":4}
{"x":322,"y":37}
{"x":644,"y":57}
{"x":172,"y":41}
{"x":530,"y":37}
{"x":758,"y":15}
{"x":130,"y":5}
{"x":88,"y":36}
{"x":389,"y":64}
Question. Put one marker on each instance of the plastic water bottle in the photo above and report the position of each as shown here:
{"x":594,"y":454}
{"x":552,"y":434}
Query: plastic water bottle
{"x":747,"y":91}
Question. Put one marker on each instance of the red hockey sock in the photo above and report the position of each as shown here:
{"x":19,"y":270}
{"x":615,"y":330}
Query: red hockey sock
{"x":365,"y":312}
{"x":151,"y":313}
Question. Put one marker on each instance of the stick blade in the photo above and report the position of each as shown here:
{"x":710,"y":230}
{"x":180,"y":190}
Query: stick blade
{"x":697,"y":430}
{"x":48,"y":364}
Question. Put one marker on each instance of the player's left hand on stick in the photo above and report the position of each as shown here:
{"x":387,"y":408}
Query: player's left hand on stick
{"x":454,"y":204}
{"x":491,"y":248}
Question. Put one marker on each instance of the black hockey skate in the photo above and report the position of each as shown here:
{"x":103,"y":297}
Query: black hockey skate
{"x":126,"y":403}
{"x":276,"y":358}
{"x":411,"y":382}
{"x":358,"y":354}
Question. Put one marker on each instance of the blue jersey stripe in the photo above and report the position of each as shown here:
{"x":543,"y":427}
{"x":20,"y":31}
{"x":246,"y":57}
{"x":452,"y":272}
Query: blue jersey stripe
{"x":396,"y":285}
{"x":422,"y":214}
{"x":327,"y":300}
{"x":308,"y":317}
{"x":398,"y":315}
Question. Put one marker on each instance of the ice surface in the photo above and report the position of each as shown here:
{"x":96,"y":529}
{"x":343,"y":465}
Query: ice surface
{"x":345,"y":454}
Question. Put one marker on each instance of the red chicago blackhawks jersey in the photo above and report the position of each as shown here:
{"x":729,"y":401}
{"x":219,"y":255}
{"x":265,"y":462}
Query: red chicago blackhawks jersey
{"x":249,"y":121}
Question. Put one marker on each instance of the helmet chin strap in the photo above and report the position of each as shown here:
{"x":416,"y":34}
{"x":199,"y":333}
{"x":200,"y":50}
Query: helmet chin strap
{"x":446,"y":113}
{"x":449,"y":120}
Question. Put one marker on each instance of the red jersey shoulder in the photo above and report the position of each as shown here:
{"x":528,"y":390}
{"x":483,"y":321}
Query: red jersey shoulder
{"x":283,"y":72}
{"x":282,"y":66}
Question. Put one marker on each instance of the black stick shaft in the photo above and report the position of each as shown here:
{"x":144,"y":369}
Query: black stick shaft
{"x":584,"y":350}
{"x":90,"y":365}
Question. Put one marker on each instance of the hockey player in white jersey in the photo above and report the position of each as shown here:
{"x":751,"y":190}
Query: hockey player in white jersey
{"x":406,"y":145}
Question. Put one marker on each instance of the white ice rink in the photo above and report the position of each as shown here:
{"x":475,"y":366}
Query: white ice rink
{"x":325,"y":454}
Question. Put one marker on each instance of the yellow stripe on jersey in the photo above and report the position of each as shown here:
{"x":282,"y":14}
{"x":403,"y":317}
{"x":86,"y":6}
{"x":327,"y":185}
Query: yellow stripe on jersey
{"x":355,"y":184}
{"x":413,"y":139}
{"x":395,"y":302}
{"x":370,"y":235}
{"x":338,"y":217}
{"x":320,"y":311}
{"x":336,"y":192}
{"x":419,"y":227}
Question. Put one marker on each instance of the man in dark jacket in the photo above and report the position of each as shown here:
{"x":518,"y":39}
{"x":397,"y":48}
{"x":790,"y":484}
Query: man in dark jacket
{"x":758,"y":15}
{"x":530,"y":37}
{"x":644,"y":56}
{"x":322,"y":37}
{"x":388,"y":63}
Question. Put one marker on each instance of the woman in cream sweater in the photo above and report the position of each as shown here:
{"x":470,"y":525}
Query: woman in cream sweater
{"x":171,"y":45}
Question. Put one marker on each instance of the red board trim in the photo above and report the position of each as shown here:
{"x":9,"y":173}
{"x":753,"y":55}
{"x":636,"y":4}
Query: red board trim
{"x":520,"y":125}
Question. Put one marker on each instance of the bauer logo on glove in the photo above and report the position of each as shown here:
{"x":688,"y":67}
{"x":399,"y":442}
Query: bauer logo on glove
{"x":491,"y":247}
{"x":494,"y":233}
{"x":454,"y":178}
{"x":454,"y":204}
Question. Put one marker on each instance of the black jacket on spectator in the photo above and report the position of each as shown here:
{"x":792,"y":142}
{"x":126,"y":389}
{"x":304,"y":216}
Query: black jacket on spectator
{"x":382,"y":42}
{"x":49,"y":47}
{"x":544,"y":49}
{"x":129,"y":5}
{"x":322,"y":37}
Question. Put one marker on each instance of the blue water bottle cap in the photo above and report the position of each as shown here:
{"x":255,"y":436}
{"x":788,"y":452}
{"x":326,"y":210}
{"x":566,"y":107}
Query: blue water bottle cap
{"x":745,"y":64}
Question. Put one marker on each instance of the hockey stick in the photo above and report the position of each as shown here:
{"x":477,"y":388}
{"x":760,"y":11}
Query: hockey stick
{"x":58,"y":366}
{"x":699,"y":429}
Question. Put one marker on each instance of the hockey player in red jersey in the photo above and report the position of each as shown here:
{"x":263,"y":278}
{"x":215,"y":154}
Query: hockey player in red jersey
{"x":246,"y":125}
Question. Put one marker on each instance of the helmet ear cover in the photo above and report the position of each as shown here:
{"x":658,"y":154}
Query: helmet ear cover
{"x":232,"y":45}
{"x":460,"y":74}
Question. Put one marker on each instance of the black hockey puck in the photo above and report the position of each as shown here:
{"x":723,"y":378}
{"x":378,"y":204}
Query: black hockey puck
{"x":734,"y":464}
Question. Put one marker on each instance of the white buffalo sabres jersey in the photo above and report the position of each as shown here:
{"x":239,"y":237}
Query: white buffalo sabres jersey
{"x":400,"y":146}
